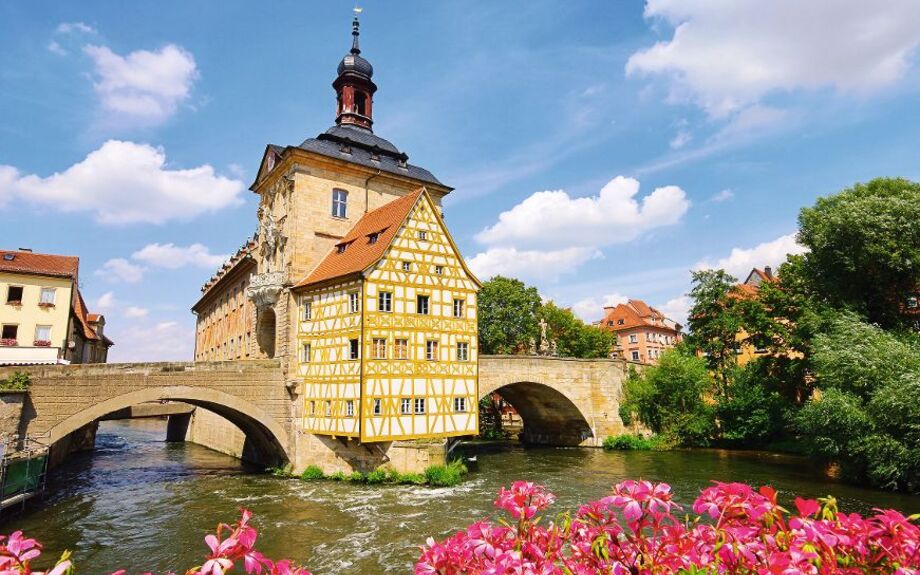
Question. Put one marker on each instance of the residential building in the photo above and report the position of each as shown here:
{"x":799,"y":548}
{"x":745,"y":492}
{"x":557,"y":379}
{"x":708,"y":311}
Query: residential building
{"x":42,"y":313}
{"x":226,"y":316}
{"x":750,"y":288}
{"x":388,"y":330}
{"x":643,"y":333}
{"x":352,"y":282}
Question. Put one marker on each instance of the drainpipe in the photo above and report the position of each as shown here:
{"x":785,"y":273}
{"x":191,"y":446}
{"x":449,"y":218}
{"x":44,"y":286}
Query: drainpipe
{"x":366,"y":182}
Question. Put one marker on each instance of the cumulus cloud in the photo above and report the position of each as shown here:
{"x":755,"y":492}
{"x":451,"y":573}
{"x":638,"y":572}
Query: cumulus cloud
{"x":592,"y":309}
{"x":740,"y":261}
{"x":171,"y":256}
{"x":530,"y":264}
{"x":143,"y":87}
{"x":70,"y":27}
{"x":135,"y":312}
{"x":106,"y":301}
{"x":125,"y":183}
{"x":56,"y":48}
{"x":162,"y":340}
{"x":677,"y":309}
{"x":120,"y":269}
{"x":727,"y":55}
{"x":614,"y":216}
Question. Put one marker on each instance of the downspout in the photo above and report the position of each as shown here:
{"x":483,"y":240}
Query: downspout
{"x":366,"y":182}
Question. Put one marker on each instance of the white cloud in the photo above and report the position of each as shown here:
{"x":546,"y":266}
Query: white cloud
{"x":681,"y":139}
{"x":125,"y":183}
{"x":741,"y":260}
{"x":152,"y":341}
{"x":554,"y":218}
{"x":106,"y":302}
{"x":143,"y":87}
{"x":68,"y":27}
{"x":727,"y":55}
{"x":592,"y":309}
{"x":677,"y":309}
{"x":135,"y":312}
{"x":723,"y":196}
{"x":171,"y":256}
{"x":530,"y":264}
{"x":56,"y":48}
{"x":120,"y":269}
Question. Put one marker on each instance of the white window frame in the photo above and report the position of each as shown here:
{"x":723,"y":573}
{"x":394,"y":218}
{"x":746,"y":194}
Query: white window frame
{"x":404,"y":348}
{"x":423,"y":299}
{"x":379,"y":345}
{"x":405,"y":406}
{"x":354,"y":349}
{"x":354,"y":302}
{"x":385,"y":297}
{"x":407,"y":266}
{"x":460,"y":404}
{"x":47,"y":327}
{"x":306,"y":353}
{"x":423,"y":235}
{"x":464,"y":347}
{"x":306,"y":310}
{"x":635,"y":356}
{"x":378,"y":407}
{"x":633,"y":338}
{"x":431,"y":350}
{"x":418,"y":406}
{"x":439,"y":270}
{"x":349,"y":408}
{"x":339,"y":203}
{"x":459,"y":307}
{"x":47,"y":290}
{"x":328,"y":412}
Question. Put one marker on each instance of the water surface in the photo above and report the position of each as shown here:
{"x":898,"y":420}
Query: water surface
{"x":141,"y":503}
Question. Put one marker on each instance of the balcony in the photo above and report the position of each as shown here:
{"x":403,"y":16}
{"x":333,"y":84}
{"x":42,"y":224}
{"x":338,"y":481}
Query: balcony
{"x":29,"y":355}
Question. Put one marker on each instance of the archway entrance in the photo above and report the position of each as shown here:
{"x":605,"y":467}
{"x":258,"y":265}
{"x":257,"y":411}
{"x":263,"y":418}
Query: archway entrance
{"x":549,"y":417}
{"x":265,"y":332}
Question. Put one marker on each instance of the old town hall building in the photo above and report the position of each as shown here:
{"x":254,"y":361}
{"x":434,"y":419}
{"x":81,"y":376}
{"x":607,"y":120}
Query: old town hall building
{"x":353,"y":282}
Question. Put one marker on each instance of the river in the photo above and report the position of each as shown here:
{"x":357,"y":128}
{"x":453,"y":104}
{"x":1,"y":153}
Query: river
{"x":140,"y":503}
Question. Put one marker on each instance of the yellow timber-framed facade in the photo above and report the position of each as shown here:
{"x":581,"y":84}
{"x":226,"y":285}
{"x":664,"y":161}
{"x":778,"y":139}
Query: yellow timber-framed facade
{"x":391,"y":352}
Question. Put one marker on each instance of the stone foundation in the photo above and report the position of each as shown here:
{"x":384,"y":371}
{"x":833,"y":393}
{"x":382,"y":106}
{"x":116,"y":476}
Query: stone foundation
{"x":11,"y":404}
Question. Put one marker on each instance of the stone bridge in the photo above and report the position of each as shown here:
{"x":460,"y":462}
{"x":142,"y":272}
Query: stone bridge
{"x":561,"y":402}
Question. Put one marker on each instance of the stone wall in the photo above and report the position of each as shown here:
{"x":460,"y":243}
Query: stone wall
{"x":11,"y":404}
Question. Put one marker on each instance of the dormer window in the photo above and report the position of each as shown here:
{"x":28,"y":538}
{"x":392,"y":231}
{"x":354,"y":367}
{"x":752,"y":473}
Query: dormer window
{"x":339,"y":203}
{"x":9,"y":257}
{"x":341,"y":248}
{"x":372,"y":238}
{"x":422,"y":235}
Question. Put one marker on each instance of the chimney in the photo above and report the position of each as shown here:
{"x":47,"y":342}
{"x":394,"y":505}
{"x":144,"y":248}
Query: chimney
{"x":29,"y":250}
{"x":768,"y":271}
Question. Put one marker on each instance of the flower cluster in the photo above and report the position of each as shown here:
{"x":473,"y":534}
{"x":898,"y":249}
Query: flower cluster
{"x":637,"y":531}
{"x":8,"y":342}
{"x":230,"y":545}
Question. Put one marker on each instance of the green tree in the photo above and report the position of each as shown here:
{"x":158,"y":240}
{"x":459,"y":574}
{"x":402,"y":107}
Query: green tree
{"x":864,"y":247}
{"x":507,"y":315}
{"x":715,"y":321}
{"x":574,"y":337}
{"x":752,"y":412}
{"x":669,"y":397}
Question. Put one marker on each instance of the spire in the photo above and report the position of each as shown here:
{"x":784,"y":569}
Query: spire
{"x":353,"y":86}
{"x":355,"y":24}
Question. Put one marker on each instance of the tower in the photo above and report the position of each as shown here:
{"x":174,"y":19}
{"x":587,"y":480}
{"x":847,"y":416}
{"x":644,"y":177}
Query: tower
{"x":354,"y":88}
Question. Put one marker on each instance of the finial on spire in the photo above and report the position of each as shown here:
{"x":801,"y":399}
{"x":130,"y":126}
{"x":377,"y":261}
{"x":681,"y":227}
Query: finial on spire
{"x":354,"y":31}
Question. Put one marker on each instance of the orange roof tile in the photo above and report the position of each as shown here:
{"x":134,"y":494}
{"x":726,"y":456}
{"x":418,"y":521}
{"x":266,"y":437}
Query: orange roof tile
{"x":43,"y":264}
{"x":93,"y":317}
{"x":79,"y":311}
{"x":634,"y":313}
{"x":359,"y":251}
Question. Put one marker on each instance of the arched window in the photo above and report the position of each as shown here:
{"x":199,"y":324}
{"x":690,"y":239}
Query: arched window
{"x":339,"y":203}
{"x":361,"y":103}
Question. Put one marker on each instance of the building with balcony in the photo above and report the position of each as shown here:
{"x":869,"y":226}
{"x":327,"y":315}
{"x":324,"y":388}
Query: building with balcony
{"x":643,"y":333}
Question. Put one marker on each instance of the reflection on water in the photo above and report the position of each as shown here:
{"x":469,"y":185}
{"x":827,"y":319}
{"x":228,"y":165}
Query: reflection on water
{"x":140,"y":503}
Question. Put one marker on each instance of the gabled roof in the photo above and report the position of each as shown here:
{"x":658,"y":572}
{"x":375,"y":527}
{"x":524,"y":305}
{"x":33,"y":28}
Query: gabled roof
{"x":41,"y":264}
{"x":359,"y":251}
{"x":635,"y":313}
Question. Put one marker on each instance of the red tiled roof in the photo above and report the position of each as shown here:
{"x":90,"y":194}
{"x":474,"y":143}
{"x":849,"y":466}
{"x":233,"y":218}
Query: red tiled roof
{"x":359,"y":252}
{"x":79,"y":312}
{"x":43,"y":264}
{"x":93,"y":317}
{"x":634,"y":313}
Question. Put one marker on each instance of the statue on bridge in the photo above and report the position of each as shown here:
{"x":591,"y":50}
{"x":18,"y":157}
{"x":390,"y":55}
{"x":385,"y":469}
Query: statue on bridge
{"x":547,"y":346}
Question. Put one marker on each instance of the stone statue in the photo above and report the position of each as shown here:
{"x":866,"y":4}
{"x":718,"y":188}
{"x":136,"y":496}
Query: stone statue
{"x":553,"y":351}
{"x":532,"y":347}
{"x":270,"y":235}
{"x":544,"y":341}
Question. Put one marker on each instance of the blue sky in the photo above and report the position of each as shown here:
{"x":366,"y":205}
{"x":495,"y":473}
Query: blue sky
{"x":599,"y":150}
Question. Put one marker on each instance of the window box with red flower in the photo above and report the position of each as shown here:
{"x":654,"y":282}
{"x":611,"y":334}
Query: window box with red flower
{"x":45,"y":304}
{"x":15,"y":302}
{"x":8,"y":342}
{"x":41,"y":343}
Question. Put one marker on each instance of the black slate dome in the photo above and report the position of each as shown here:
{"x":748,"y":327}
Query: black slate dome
{"x":355,"y":63}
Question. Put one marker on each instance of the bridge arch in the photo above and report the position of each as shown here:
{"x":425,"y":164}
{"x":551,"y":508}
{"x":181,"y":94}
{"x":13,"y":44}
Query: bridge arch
{"x":268,"y":436}
{"x":549,"y":416}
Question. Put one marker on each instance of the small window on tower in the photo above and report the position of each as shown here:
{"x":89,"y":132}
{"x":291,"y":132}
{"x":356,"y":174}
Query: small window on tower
{"x":361,"y":103}
{"x":406,"y":266}
{"x":339,"y":203}
{"x":422,"y":235}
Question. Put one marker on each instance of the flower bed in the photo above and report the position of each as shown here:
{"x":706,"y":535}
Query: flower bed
{"x":41,"y":343}
{"x":736,"y":530}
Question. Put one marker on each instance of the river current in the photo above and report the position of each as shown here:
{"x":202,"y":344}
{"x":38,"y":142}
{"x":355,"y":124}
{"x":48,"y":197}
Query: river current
{"x":143,"y":504}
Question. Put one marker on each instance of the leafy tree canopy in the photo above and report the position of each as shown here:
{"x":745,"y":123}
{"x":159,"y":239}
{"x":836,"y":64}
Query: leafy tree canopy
{"x":507,"y":315}
{"x":574,"y":337}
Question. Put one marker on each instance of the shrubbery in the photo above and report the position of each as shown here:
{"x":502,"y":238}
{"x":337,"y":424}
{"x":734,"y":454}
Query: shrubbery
{"x":445,"y":475}
{"x":627,"y":442}
{"x":435,"y":475}
{"x":19,"y":381}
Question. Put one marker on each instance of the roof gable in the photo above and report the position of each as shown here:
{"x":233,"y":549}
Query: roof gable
{"x":41,"y":264}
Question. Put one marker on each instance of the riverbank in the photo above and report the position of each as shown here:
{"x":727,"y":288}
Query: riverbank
{"x":141,"y":495}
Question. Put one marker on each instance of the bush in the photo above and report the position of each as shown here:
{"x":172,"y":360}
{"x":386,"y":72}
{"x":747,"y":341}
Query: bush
{"x":357,"y":477}
{"x":286,"y":471}
{"x":19,"y":381}
{"x":627,"y":442}
{"x":445,"y":475}
{"x":312,"y":473}
{"x":668,"y":398}
{"x":749,"y":414}
{"x":337,"y":476}
{"x":376,"y":476}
